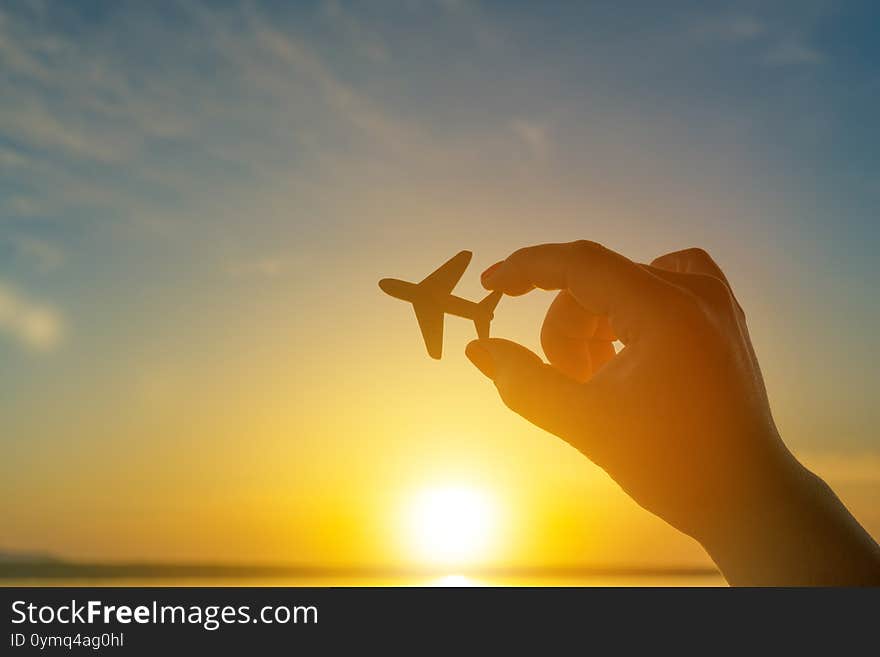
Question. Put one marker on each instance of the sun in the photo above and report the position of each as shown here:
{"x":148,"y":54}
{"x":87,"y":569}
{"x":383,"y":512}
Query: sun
{"x":451,"y":525}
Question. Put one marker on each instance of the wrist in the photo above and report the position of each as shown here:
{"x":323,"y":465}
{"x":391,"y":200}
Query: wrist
{"x":786,"y":527}
{"x":751,"y":528}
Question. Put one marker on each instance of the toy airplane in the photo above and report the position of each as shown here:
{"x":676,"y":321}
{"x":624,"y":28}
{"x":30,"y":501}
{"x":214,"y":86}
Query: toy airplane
{"x":433,"y":298}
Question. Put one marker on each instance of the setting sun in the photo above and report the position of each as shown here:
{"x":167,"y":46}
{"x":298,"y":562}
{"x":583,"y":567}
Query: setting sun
{"x":452,"y":525}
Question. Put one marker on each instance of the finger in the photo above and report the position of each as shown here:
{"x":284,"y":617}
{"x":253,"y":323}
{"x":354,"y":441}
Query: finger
{"x":603,"y":282}
{"x":580,"y":359}
{"x":575,"y":341}
{"x":531,"y":388}
{"x":690,"y":261}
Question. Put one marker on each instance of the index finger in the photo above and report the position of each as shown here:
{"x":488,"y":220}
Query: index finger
{"x":602,"y":281}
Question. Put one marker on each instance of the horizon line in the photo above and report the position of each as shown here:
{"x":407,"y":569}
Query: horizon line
{"x":62,"y":569}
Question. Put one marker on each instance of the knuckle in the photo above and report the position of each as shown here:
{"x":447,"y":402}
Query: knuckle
{"x":582,"y":256}
{"x":519,"y":254}
{"x":519,"y":258}
{"x":713,"y":290}
{"x":709,"y":290}
{"x":697,"y":253}
{"x":585,"y":247}
{"x":665,"y":261}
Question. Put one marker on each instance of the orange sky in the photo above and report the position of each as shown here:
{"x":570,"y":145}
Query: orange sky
{"x":198,"y":362}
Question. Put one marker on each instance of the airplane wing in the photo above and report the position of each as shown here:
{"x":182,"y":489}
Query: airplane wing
{"x":431,"y":322}
{"x":444,"y":278}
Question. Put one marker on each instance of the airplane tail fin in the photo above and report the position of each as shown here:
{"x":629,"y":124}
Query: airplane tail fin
{"x":487,"y":309}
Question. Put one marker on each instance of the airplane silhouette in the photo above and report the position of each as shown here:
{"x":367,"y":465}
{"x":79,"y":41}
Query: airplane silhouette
{"x":432,"y":298}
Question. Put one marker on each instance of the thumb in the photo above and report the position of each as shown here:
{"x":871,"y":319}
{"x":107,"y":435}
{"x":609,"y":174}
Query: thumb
{"x":530,"y":387}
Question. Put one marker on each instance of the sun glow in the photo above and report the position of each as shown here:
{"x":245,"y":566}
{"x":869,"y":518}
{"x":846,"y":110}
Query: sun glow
{"x":452,"y":525}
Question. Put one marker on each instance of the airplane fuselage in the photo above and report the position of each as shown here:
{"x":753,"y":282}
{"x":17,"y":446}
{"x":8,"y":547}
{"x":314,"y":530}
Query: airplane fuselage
{"x":449,"y":303}
{"x":432,"y":300}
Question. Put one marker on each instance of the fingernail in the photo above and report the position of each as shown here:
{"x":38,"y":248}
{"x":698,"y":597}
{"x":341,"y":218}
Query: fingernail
{"x":481,"y":358}
{"x":491,"y":270}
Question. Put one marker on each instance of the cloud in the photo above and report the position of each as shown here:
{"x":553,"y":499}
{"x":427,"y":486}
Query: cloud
{"x":37,"y":123}
{"x":266,"y":267}
{"x":468,"y":16}
{"x":45,"y":256}
{"x":9,"y":158}
{"x":87,"y":130}
{"x":792,"y":52}
{"x":729,"y":29}
{"x":534,"y":136}
{"x":23,"y":206}
{"x":780,"y":46}
{"x":36,"y":325}
{"x":97,"y":135}
{"x":364,"y":40}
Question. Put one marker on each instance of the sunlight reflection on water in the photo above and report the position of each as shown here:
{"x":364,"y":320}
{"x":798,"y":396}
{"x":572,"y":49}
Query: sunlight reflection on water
{"x":454,"y":580}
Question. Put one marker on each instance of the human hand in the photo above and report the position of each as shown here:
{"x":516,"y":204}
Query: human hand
{"x":679,"y":418}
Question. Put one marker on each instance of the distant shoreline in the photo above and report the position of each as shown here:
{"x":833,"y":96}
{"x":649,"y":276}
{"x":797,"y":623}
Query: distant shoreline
{"x":60,"y":570}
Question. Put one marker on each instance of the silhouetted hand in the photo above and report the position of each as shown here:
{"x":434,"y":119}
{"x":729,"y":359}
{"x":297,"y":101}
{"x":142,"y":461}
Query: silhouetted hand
{"x":679,"y":418}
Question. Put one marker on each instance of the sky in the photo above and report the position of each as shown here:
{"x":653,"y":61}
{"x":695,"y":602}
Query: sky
{"x":197,"y":200}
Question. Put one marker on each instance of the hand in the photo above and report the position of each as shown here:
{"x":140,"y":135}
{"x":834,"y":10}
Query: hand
{"x":680,"y":417}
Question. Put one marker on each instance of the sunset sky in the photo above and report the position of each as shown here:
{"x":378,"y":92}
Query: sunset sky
{"x":197,"y":201}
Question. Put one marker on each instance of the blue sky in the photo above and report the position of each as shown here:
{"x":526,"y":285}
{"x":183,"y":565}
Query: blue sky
{"x":187,"y":183}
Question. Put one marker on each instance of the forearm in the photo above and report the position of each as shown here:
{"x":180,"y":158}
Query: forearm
{"x":793,"y":531}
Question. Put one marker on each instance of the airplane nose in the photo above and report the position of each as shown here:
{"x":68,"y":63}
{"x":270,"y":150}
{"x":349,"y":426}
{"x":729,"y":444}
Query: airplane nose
{"x":383,"y":284}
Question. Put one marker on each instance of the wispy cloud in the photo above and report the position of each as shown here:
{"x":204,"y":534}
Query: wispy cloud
{"x":777,"y":45}
{"x":10,"y":159}
{"x":534,"y":135}
{"x":153,"y":145}
{"x":364,"y":40}
{"x":468,"y":16}
{"x":20,"y":205}
{"x":264,"y":267}
{"x":44,"y":129}
{"x":792,"y":52}
{"x":34,"y":324}
{"x":729,"y":28}
{"x":44,"y":256}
